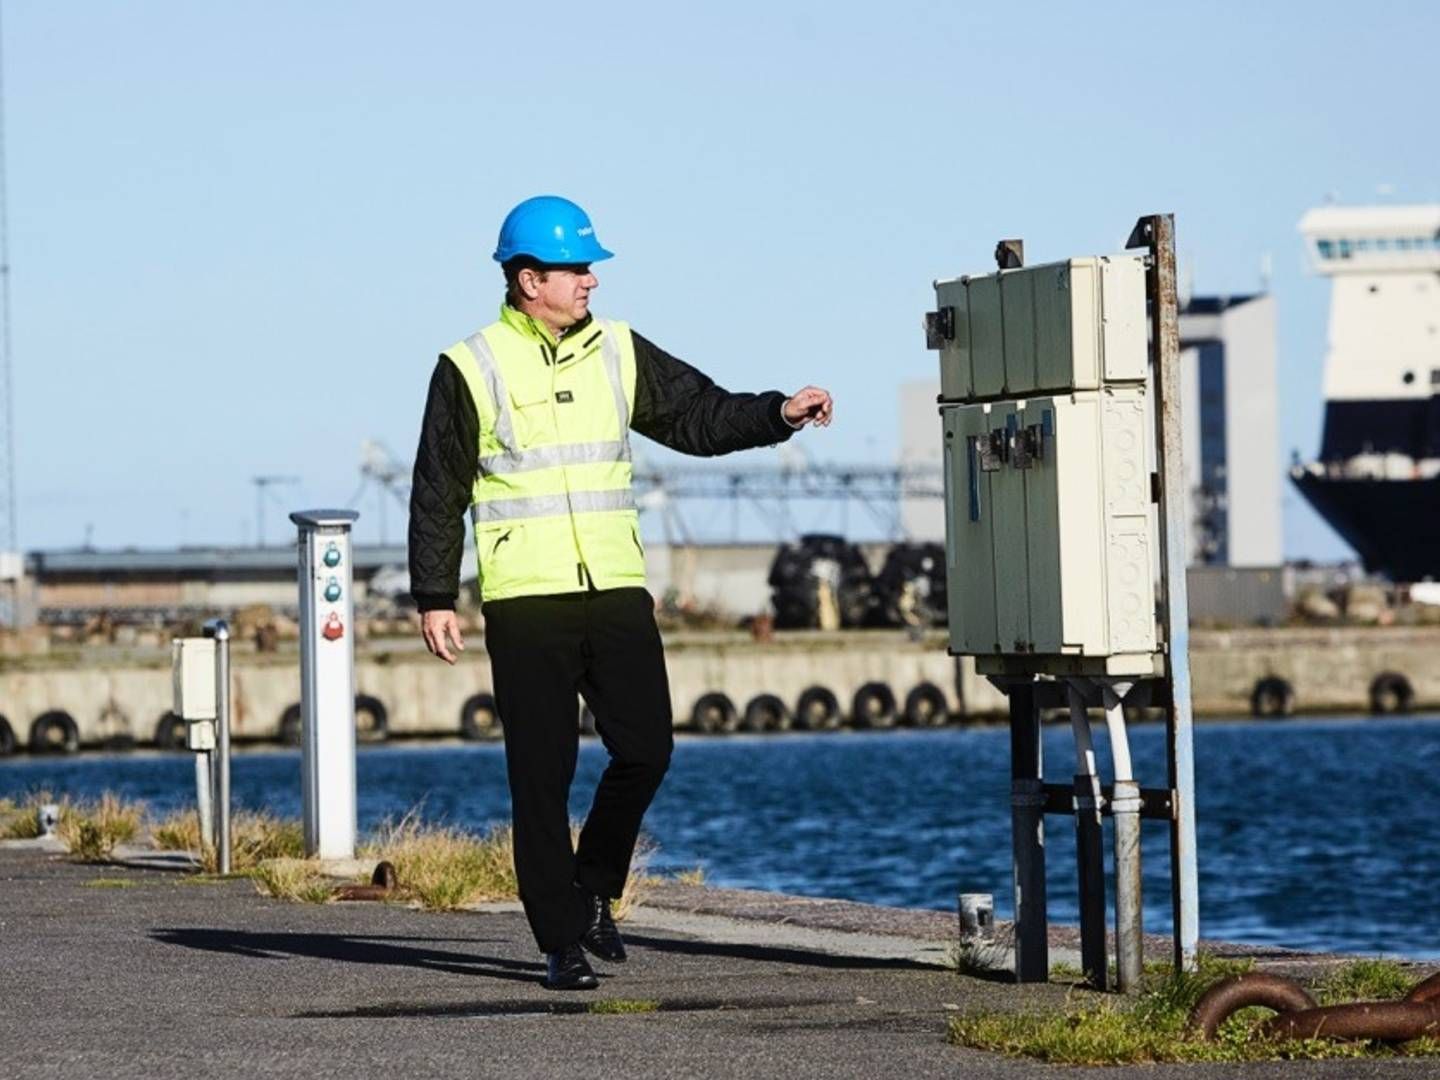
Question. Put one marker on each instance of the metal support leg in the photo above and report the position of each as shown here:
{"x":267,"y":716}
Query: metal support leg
{"x":1125,"y":811}
{"x":1027,"y":801}
{"x":1089,"y":850}
{"x":205,"y":797}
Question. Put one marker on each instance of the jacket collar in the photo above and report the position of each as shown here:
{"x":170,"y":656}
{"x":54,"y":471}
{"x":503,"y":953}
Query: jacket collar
{"x":534,"y":329}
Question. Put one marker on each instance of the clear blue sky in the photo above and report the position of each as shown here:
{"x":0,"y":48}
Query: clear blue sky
{"x":241,"y":232}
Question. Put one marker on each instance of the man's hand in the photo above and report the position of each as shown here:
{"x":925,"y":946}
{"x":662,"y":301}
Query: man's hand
{"x":809,"y":404}
{"x":440,"y":629}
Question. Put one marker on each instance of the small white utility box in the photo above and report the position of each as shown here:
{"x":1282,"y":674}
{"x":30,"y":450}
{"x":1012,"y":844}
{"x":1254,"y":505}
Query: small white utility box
{"x":193,"y":666}
{"x":1051,"y":529}
{"x":1073,"y":325}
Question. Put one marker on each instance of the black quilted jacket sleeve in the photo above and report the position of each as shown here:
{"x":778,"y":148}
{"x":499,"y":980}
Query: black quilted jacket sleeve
{"x":682,"y":408}
{"x":675,"y":404}
{"x":440,"y":489}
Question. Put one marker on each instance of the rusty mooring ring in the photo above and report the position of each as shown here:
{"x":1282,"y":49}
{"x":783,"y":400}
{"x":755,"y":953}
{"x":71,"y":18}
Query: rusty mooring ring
{"x":1229,"y":996}
{"x":1416,"y":1016}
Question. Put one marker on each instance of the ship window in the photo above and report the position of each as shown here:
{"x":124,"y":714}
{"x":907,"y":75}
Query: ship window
{"x":1382,"y":244}
{"x":1403,"y":243}
{"x":1408,"y":378}
{"x":1327,"y":248}
{"x":1344,"y":249}
{"x":1435,"y":376}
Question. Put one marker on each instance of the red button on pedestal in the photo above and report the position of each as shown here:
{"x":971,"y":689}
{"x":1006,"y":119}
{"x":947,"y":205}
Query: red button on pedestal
{"x":333,"y":630}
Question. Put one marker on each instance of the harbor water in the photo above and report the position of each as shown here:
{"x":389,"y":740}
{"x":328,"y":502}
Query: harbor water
{"x":1313,"y":834}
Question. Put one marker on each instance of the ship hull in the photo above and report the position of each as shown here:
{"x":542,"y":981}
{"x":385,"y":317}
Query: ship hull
{"x":1393,"y":525}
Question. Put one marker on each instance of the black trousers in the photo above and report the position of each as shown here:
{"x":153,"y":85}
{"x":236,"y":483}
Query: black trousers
{"x":543,"y":649}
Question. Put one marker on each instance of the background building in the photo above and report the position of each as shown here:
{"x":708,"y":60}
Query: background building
{"x":1231,"y":417}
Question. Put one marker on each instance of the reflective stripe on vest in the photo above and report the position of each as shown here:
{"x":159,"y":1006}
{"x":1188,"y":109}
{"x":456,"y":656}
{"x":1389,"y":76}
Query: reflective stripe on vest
{"x":577,"y":502}
{"x":546,"y":457}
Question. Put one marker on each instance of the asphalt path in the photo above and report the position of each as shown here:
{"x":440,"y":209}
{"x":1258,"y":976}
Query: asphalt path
{"x":163,"y":978}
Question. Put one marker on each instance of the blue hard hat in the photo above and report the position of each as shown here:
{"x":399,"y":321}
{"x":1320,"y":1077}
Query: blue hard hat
{"x":549,"y":229}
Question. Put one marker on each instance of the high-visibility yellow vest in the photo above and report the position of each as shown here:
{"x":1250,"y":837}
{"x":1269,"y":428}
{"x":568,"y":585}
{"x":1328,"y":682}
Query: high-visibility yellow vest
{"x":552,"y":505}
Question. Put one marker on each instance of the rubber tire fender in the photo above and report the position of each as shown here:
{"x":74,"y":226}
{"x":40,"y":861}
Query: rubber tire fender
{"x":714,"y":714}
{"x":379,"y":729}
{"x":170,"y":732}
{"x":925,"y":706}
{"x":1391,"y":693}
{"x":480,"y":718}
{"x":1272,"y":697}
{"x":765,"y":712}
{"x":817,"y":709}
{"x":292,"y":726}
{"x":873,"y":706}
{"x":43,"y":733}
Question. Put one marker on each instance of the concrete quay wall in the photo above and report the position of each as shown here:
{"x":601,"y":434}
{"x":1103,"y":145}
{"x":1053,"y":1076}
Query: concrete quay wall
{"x":114,"y":703}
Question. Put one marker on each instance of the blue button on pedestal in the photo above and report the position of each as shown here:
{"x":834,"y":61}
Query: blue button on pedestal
{"x":332,"y":556}
{"x":332,"y":590}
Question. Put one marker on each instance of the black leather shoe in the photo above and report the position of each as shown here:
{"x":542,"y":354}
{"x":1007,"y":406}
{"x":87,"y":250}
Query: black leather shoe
{"x":568,"y":969}
{"x":601,"y":937}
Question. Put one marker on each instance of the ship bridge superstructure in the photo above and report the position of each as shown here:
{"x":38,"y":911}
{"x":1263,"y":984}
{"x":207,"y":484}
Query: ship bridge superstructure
{"x":1382,"y":368}
{"x":1377,"y":478}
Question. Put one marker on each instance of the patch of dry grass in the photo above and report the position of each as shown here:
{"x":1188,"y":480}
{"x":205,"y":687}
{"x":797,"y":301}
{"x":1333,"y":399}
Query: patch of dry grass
{"x":445,"y":869}
{"x":694,"y":876}
{"x":91,"y":831}
{"x":255,"y":836}
{"x":299,"y":880}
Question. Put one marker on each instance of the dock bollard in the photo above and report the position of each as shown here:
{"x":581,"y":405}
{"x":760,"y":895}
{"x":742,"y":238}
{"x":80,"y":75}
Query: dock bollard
{"x":977,"y":916}
{"x":47,"y":818}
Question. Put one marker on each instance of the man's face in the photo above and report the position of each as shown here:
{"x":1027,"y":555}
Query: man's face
{"x":564,"y":295}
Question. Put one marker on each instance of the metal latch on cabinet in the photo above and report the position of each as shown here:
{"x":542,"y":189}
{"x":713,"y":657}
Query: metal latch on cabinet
{"x":1027,"y":445}
{"x":939,"y":327}
{"x":992,"y":449}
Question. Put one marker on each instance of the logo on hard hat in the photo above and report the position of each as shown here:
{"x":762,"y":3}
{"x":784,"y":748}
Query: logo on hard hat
{"x":585,"y":230}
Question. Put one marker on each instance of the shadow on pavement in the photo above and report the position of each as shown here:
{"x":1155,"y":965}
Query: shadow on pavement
{"x":771,"y":954}
{"x":354,"y":949}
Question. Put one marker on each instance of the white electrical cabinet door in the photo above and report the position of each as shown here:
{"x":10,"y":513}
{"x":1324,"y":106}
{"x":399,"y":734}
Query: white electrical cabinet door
{"x":1050,"y":528}
{"x":1057,"y":327}
{"x":955,"y":367}
{"x":1091,"y":524}
{"x":970,"y":549}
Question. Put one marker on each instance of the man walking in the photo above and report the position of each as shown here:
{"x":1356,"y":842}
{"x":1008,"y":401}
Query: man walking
{"x":528,"y":425}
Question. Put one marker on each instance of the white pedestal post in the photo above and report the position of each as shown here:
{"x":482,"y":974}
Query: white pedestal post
{"x":327,"y":681}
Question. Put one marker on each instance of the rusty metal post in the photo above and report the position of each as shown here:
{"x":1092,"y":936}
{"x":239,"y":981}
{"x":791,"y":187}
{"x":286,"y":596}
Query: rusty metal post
{"x":1157,"y":233}
{"x":1089,"y":848}
{"x":1125,"y":813}
{"x":1027,"y":819}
